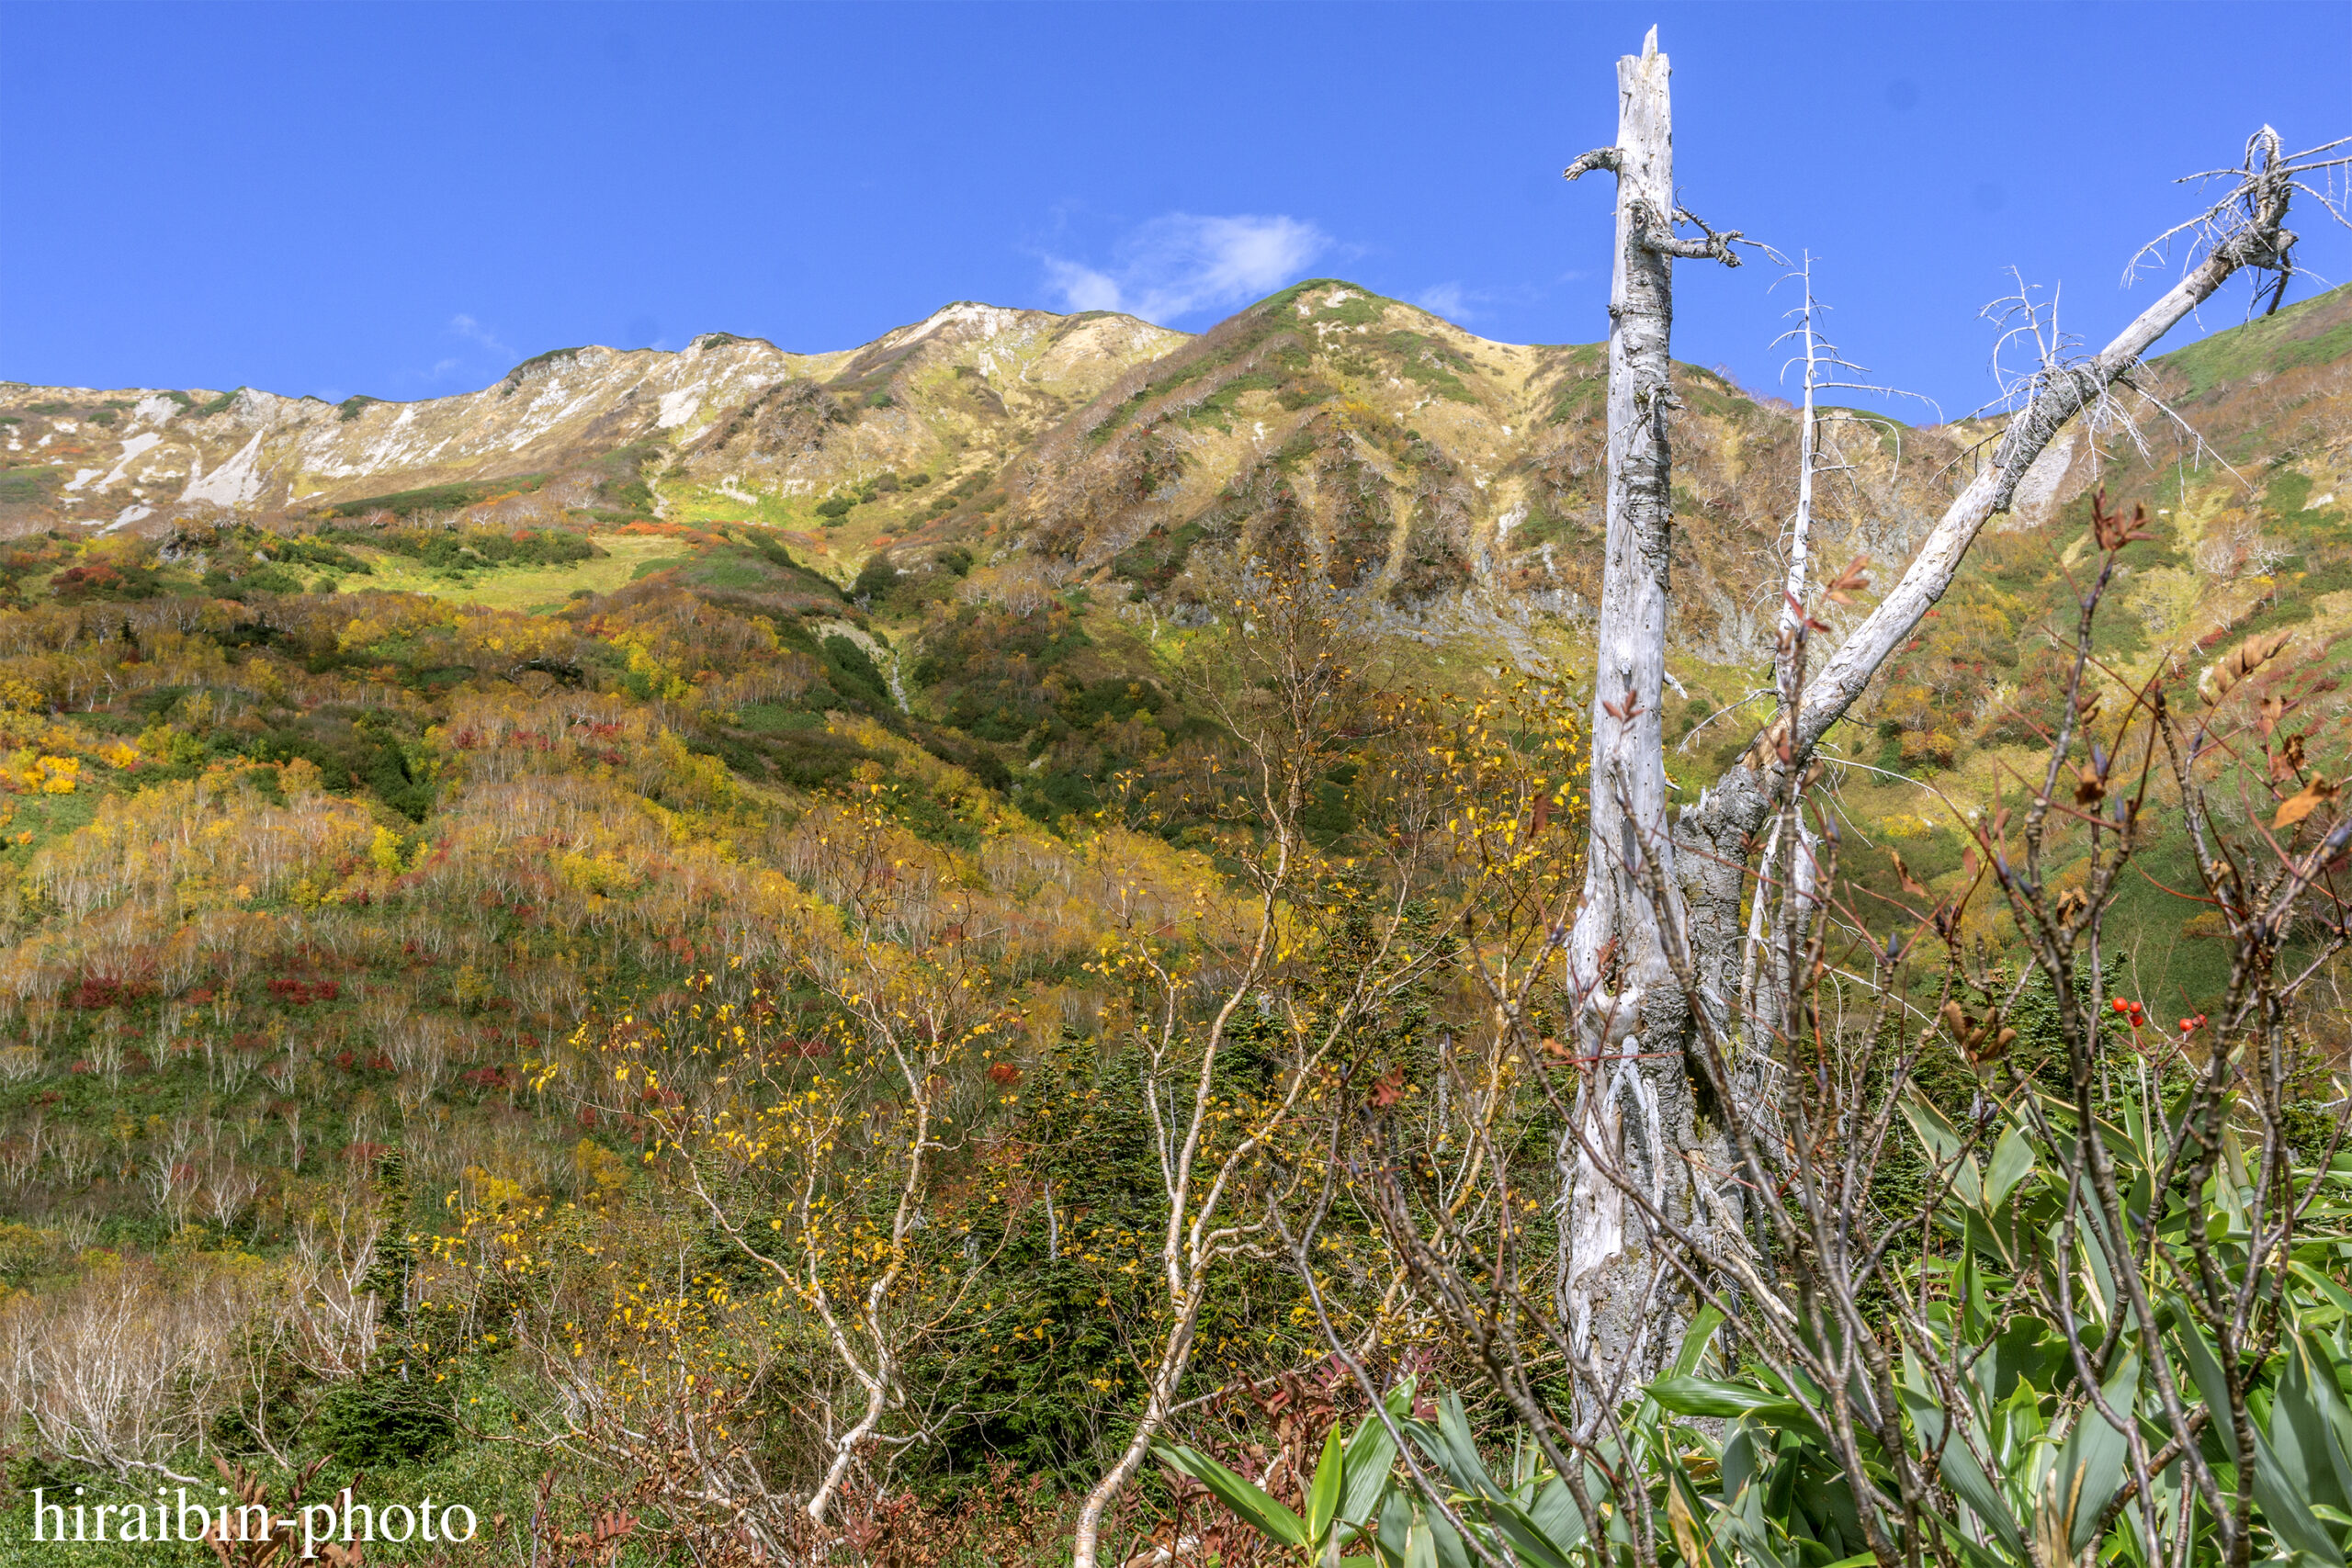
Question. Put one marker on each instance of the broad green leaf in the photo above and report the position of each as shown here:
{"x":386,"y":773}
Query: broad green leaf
{"x":2012,"y":1160}
{"x":1555,"y":1512}
{"x":2337,"y":1296}
{"x":1748,"y":1529}
{"x":1395,"y":1527}
{"x":2091,"y":1465}
{"x":1694,"y":1341}
{"x":1524,"y":1457}
{"x":2285,"y":1507}
{"x":1944,"y":1144}
{"x":1977,"y":1316}
{"x":1249,"y":1503}
{"x":2331,"y":1378}
{"x":1832,"y":1503}
{"x":2026,"y":1348}
{"x":1973,"y":1554}
{"x":1961,"y":1472}
{"x":2302,"y":1432}
{"x":1706,"y":1396}
{"x":1371,"y":1454}
{"x":1452,"y":1450}
{"x":2098,"y":1278}
{"x":2286,"y":1510}
{"x":1531,"y":1543}
{"x":2205,"y":1368}
{"x":1445,"y":1544}
{"x":1739,"y":1462}
{"x":1323,"y":1495}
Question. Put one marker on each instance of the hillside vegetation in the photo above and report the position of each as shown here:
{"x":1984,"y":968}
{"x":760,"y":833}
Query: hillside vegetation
{"x":417,"y":817}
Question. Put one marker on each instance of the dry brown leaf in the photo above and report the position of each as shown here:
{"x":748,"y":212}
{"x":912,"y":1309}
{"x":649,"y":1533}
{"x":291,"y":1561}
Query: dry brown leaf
{"x":2112,"y":529}
{"x":1851,"y":582}
{"x":1769,"y":746}
{"x":2303,"y":803}
{"x":2246,"y":658}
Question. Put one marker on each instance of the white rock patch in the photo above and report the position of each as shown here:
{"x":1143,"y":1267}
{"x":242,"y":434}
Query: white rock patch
{"x":130,"y":451}
{"x":234,"y":483}
{"x":992,"y":320}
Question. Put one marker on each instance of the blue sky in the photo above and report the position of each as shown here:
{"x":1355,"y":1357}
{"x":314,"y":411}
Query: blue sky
{"x":404,"y":200}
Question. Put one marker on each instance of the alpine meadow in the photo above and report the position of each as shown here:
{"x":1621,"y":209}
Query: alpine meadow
{"x":1055,"y":941}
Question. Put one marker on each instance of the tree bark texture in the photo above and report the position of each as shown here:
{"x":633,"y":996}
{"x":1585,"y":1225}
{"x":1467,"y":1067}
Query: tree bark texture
{"x":1635,"y":1110}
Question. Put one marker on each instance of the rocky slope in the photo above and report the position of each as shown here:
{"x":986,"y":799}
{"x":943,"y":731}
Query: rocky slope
{"x":728,"y":416}
{"x":1441,"y":474}
{"x":1005,"y":512}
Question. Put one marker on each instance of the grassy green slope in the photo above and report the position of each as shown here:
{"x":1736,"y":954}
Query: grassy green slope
{"x":2312,"y":332}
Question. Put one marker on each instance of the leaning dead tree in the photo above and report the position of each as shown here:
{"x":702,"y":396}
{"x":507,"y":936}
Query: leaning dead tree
{"x":1645,"y":1159}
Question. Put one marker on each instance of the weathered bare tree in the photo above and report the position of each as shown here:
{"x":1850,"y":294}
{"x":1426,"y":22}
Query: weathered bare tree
{"x":1289,"y":687}
{"x":2154,"y":1268}
{"x":846,"y":1234}
{"x":1648,"y":1138}
{"x":1631,"y":1019}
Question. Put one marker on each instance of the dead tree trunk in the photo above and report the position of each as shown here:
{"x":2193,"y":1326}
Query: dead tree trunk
{"x":1635,"y":1108}
{"x":1643,"y":1158}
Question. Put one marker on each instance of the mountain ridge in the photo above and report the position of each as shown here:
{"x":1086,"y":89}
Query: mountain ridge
{"x":1404,"y":454}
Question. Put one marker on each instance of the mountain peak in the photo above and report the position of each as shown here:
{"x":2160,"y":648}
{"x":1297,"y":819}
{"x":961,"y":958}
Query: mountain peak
{"x":704,"y":343}
{"x":964,"y":318}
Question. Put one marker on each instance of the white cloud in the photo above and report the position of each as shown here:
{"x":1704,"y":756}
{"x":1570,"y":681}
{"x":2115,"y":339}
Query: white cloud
{"x":1082,"y":287}
{"x":1180,"y":262}
{"x":474,"y":331}
{"x":1444,"y":299}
